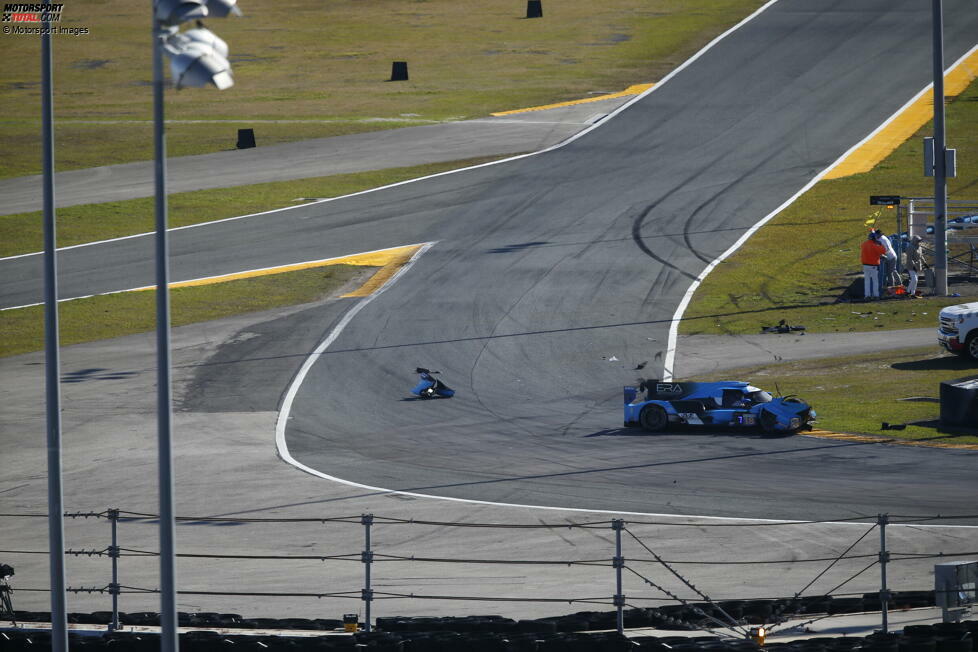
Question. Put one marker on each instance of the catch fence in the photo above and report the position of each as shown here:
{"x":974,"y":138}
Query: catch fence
{"x":638,"y":574}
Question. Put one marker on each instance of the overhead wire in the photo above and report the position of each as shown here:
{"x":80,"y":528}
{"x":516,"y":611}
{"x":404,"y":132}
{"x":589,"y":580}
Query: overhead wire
{"x":542,"y":562}
{"x":837,"y":560}
{"x":357,"y":520}
{"x":682,"y":579}
{"x":732,"y":624}
{"x":355,"y":556}
{"x":777,"y":617}
{"x":416,"y":596}
{"x":851,"y":578}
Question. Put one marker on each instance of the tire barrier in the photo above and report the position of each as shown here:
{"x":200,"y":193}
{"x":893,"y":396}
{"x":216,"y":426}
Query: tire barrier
{"x":449,"y":624}
{"x":680,"y":617}
{"x":846,"y":605}
{"x":911,"y":599}
{"x":942,"y":637}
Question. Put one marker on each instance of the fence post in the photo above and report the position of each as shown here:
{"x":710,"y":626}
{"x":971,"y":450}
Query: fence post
{"x":114,"y":555}
{"x":618,"y":563}
{"x":367,"y":556}
{"x":882,"y":520}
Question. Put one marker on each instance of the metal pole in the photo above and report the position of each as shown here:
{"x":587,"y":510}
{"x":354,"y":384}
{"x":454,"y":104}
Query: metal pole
{"x":940,"y":153}
{"x":367,"y":594}
{"x":618,"y":563}
{"x":899,"y":241}
{"x":883,"y":519}
{"x":52,"y":364}
{"x":114,"y":555}
{"x":168,"y":595}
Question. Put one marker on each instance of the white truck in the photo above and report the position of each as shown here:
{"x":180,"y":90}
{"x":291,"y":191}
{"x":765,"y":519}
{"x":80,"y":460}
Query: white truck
{"x":959,"y":329}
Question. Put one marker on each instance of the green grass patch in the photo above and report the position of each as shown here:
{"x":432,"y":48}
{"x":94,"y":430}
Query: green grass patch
{"x":765,"y":280}
{"x":113,"y":315}
{"x":746,"y":314}
{"x":88,"y":144}
{"x":23,"y":232}
{"x":858,"y":394}
{"x":310,"y":60}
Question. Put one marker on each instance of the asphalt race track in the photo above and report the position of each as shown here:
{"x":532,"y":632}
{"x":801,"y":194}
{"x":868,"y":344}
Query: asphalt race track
{"x":553,"y":277}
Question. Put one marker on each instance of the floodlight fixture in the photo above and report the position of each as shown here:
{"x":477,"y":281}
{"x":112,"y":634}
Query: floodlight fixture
{"x":198,"y":64}
{"x":199,"y":35}
{"x":221,"y":8}
{"x":174,"y":12}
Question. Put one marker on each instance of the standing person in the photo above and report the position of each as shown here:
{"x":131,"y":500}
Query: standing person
{"x":889,"y":276}
{"x":870,"y":253}
{"x":915,"y":264}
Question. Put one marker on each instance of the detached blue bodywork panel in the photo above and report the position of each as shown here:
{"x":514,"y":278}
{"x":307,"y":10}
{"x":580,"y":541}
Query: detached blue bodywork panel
{"x":655,"y":405}
{"x":430,"y":387}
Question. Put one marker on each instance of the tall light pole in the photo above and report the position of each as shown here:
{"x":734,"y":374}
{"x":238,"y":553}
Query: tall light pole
{"x":168,"y":608}
{"x":193,"y":64}
{"x":940,"y":157}
{"x":52,"y":364}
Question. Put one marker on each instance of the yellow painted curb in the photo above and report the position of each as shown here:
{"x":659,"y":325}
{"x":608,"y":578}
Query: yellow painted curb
{"x":841,"y":436}
{"x":394,"y":262}
{"x":389,"y":260}
{"x":871,"y":439}
{"x":906,"y":123}
{"x":635,"y":89}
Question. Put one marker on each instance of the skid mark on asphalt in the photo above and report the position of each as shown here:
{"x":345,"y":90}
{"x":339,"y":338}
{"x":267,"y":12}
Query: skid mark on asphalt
{"x":83,"y":375}
{"x":845,"y":165}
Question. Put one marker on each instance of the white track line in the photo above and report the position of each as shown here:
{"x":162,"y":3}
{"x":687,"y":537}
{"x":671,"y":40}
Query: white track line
{"x":311,"y":263}
{"x":286,"y":456}
{"x":570,"y":139}
{"x":668,"y":367}
{"x":285,"y":410}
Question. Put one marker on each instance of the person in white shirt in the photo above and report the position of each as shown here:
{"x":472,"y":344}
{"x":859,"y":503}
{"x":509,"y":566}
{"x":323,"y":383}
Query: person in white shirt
{"x":889,"y":277}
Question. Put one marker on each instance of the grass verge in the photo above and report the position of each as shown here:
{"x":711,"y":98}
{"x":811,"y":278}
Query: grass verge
{"x":114,"y":315}
{"x":857,"y":394}
{"x":23,"y":232}
{"x":765,"y":281}
{"x":330,"y":62}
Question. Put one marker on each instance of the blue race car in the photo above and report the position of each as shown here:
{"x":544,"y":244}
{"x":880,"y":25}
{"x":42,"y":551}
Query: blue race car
{"x":724,"y":404}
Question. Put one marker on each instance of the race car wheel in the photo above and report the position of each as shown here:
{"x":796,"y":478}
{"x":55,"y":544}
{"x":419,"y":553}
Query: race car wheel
{"x":769,"y":422}
{"x":653,"y":418}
